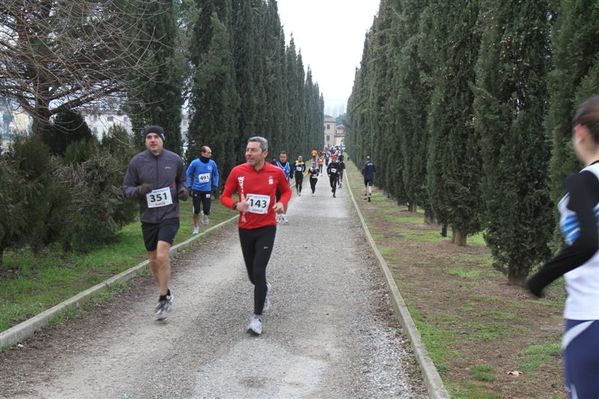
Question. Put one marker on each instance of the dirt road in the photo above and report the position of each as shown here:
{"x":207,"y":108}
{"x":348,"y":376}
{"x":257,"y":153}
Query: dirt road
{"x":330,"y":332}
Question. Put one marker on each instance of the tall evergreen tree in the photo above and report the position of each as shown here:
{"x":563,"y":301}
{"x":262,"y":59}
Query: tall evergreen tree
{"x":510,"y":105}
{"x":412,"y":104}
{"x":214,"y":100}
{"x":575,"y":76}
{"x":158,"y":100}
{"x":453,"y":168}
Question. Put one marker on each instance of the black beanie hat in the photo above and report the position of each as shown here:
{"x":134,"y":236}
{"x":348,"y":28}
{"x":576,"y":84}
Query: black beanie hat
{"x":154,"y":129}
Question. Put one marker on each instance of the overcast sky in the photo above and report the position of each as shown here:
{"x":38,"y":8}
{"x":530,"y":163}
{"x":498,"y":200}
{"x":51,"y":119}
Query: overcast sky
{"x":330,"y":35}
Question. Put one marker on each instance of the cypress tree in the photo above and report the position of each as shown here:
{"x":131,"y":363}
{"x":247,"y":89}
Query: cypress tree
{"x":575,"y":76}
{"x":159,"y":99}
{"x":453,"y":168}
{"x":214,"y":100}
{"x":510,"y":106}
{"x":412,"y":105}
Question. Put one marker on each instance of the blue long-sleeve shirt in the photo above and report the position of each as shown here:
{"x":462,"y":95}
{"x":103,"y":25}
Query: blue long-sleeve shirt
{"x":202,"y":176}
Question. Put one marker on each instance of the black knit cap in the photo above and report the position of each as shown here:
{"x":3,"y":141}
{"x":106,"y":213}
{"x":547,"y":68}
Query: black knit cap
{"x":154,"y":129}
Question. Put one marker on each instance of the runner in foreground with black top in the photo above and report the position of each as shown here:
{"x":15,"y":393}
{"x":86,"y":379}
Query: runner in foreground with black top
{"x":256,"y":183}
{"x":578,"y":261}
{"x":156,"y":177}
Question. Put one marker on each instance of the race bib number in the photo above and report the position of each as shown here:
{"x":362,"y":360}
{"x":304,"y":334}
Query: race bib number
{"x":298,"y":168}
{"x":159,"y":197}
{"x":258,"y":203}
{"x":333,"y":170}
{"x":204,"y":177}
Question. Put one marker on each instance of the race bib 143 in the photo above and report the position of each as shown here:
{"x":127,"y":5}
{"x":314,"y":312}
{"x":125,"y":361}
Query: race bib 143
{"x":258,"y":203}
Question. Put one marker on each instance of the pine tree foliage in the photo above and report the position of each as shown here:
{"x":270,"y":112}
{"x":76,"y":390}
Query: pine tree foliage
{"x":510,"y":105}
{"x":458,"y":103}
{"x":249,"y":84}
{"x":158,"y":100}
{"x":575,"y":76}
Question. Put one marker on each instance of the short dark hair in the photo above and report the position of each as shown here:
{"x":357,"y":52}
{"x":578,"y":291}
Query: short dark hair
{"x":588,"y":115}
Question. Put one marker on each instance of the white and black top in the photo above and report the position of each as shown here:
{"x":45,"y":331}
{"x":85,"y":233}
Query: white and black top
{"x":579,"y":260}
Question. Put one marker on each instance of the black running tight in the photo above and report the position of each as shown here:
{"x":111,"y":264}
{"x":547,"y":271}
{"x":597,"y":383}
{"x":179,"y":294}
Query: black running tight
{"x":313,"y":184}
{"x":256,"y":245}
{"x":299,"y":179}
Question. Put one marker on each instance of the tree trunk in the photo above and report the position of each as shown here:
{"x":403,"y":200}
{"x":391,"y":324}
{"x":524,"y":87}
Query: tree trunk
{"x":516,"y":275}
{"x":412,"y":207}
{"x":429,"y":218}
{"x":1,"y":256}
{"x":459,"y":238}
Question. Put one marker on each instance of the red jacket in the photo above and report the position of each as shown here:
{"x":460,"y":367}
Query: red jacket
{"x":258,"y":187}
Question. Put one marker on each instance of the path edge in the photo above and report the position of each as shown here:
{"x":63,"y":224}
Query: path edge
{"x":27,"y":328}
{"x":432,"y":379}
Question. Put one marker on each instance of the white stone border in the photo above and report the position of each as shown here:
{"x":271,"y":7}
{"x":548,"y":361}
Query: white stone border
{"x":432,"y":379}
{"x":27,"y":328}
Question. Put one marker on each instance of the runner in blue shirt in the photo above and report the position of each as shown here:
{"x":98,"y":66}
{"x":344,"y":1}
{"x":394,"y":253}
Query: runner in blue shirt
{"x":202,"y":177}
{"x":286,"y":168}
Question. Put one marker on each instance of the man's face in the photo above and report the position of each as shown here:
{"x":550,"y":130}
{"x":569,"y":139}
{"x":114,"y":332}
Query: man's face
{"x":207,"y":153}
{"x":254,"y":155}
{"x":283,"y":158}
{"x":154,"y":143}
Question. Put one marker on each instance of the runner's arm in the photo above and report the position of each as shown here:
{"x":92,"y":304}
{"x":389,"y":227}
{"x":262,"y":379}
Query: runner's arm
{"x":130,"y":183}
{"x":582,"y":188}
{"x":284,"y":189}
{"x":226,"y":198}
{"x":215,"y":175}
{"x":189,"y":174}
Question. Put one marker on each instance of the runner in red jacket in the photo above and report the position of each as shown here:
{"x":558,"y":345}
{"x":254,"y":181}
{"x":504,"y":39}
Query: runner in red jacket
{"x":256,"y":183}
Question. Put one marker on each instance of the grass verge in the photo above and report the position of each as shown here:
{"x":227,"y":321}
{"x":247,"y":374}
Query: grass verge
{"x":32,"y":284}
{"x":476,"y":328}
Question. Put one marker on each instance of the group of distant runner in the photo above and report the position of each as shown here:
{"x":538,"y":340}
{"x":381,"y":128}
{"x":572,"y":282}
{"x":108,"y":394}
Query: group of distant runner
{"x":158,"y":179}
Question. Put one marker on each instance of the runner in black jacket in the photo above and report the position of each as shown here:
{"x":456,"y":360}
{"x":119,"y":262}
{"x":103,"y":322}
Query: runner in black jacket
{"x":156,"y":177}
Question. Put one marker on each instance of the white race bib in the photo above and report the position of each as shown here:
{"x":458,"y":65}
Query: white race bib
{"x":204,"y":178}
{"x":159,"y":197}
{"x":298,"y":168}
{"x":258,"y":203}
{"x":333,"y":170}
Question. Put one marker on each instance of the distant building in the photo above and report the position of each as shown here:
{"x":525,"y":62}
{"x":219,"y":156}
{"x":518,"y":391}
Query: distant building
{"x":339,"y":134}
{"x":12,"y":123}
{"x":100,"y":121}
{"x":330,"y":124}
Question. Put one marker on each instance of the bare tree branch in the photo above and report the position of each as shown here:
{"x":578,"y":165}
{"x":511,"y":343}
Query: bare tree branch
{"x":61,"y":54}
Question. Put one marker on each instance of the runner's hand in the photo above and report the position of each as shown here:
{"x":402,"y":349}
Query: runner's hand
{"x":144,"y":188}
{"x":243,"y":206}
{"x":279,"y":207}
{"x":183,"y":194}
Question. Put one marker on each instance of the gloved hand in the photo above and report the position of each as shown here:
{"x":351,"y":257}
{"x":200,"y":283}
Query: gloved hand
{"x":215,"y":193}
{"x":144,"y":188}
{"x":534,"y":288}
{"x":183,"y":194}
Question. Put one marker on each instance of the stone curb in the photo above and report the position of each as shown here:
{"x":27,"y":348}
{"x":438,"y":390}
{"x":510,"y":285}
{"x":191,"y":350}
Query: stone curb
{"x":432,"y":379}
{"x":27,"y":328}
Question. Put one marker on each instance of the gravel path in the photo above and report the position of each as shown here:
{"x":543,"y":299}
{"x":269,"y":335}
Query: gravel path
{"x":330,"y":332}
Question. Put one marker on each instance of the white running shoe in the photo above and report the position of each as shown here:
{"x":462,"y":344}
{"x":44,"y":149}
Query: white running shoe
{"x":267,"y":299}
{"x":205,"y":219}
{"x":255,"y":326}
{"x":162,"y":310}
{"x":195,"y":230}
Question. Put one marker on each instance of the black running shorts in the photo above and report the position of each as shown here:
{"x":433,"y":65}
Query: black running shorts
{"x":163,"y":231}
{"x":368,"y":182}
